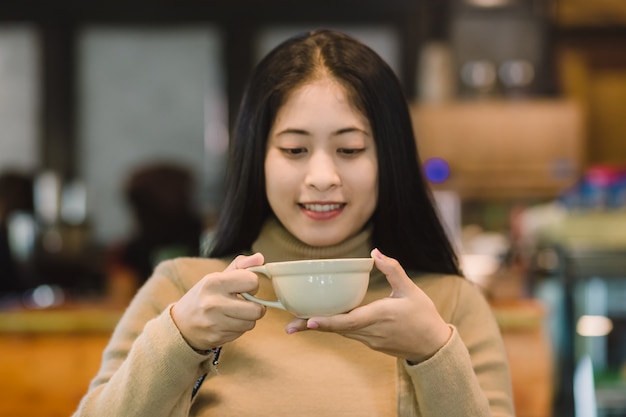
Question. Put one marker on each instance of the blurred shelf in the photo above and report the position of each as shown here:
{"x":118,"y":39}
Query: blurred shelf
{"x":47,"y":321}
{"x":498,"y":148}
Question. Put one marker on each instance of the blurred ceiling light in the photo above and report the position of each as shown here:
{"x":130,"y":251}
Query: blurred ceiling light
{"x":44,"y":296}
{"x":478,"y":267}
{"x":594,"y":326}
{"x":488,"y":3}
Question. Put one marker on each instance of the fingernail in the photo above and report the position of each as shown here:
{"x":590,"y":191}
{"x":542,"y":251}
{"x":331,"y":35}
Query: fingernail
{"x":376,"y":253}
{"x":312,"y":325}
{"x":291,"y":330}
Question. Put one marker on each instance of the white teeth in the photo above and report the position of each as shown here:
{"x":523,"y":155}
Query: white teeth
{"x":322,"y":207}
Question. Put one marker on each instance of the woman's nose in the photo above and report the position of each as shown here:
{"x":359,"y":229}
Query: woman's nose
{"x":322,"y":172}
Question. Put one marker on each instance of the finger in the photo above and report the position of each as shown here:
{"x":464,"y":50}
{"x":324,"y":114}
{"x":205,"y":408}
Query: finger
{"x":232,"y":325}
{"x":245,"y":310}
{"x":395,"y":274}
{"x":232,"y":282}
{"x":296,"y":325}
{"x":245,"y":261}
{"x":229,"y":330}
{"x":340,"y":323}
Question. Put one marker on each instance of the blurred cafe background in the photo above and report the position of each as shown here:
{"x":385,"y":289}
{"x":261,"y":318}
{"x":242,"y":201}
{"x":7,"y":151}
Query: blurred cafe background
{"x":115,"y":119}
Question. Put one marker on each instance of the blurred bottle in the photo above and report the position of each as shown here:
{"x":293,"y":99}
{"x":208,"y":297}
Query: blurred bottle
{"x":516,"y":76}
{"x":603,"y":187}
{"x":479,"y":78}
{"x":436,"y":75}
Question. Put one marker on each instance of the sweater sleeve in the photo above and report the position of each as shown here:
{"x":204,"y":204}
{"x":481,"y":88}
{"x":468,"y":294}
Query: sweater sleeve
{"x":469,"y":375}
{"x":147,"y":368}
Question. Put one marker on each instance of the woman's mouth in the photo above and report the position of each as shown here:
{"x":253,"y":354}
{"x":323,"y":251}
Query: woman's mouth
{"x":322,"y":208}
{"x":322,"y":211}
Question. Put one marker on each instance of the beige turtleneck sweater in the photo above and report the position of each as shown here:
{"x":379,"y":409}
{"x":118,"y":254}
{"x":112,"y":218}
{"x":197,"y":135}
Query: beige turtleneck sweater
{"x":148,"y":369}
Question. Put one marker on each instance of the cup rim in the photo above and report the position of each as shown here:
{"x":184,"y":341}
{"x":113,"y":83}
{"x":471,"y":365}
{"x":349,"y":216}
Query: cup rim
{"x":318,"y":265}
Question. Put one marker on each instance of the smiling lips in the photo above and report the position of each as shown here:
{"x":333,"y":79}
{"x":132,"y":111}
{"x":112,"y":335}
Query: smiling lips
{"x":322,"y":211}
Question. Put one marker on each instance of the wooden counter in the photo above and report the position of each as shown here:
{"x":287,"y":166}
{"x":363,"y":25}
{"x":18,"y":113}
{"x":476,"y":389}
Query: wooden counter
{"x":48,"y":358}
{"x":529,"y":352}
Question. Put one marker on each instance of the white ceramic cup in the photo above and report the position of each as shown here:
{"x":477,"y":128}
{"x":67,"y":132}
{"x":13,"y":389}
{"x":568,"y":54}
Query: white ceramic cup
{"x":316,"y":287}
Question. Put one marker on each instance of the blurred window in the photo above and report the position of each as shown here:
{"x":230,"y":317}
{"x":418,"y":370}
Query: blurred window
{"x":19,"y":97}
{"x":148,"y":94}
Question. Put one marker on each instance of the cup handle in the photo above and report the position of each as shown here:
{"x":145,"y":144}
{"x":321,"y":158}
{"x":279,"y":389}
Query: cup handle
{"x":262,"y":270}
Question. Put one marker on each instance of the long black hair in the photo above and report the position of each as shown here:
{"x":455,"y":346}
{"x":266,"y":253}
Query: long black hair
{"x":405,"y":222}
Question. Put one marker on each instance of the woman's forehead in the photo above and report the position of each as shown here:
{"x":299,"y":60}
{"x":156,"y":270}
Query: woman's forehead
{"x":316,"y":99}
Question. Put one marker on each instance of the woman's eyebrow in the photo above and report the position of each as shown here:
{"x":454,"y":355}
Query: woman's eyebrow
{"x":350,"y":130}
{"x":292,"y":131}
{"x":338,"y":132}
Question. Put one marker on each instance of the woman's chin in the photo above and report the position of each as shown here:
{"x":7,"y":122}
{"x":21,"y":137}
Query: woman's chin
{"x":318,"y":239}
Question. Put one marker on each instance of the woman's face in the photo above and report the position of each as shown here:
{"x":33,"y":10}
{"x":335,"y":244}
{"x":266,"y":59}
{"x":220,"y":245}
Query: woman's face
{"x":321,"y":168}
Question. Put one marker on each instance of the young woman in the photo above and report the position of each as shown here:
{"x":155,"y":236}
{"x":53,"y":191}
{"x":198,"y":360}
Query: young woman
{"x":323,"y":164}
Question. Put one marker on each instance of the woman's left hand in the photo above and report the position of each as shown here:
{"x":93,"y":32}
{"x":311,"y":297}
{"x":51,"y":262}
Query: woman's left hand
{"x":406,"y":324}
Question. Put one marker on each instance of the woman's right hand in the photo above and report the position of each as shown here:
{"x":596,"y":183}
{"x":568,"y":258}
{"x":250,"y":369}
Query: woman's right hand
{"x":211,"y":313}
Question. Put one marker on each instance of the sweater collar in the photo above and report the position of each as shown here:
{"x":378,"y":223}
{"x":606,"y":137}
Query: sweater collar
{"x":277,"y":244}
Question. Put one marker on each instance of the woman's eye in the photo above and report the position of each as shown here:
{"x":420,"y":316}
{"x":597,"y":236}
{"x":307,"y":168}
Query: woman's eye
{"x":293,"y":151}
{"x":350,"y":151}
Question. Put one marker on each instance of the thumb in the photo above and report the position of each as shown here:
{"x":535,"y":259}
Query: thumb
{"x":243,"y":261}
{"x":395,"y":274}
